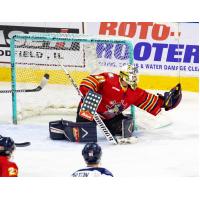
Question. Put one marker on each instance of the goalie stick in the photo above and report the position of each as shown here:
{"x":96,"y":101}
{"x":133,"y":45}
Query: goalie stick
{"x":22,"y":144}
{"x":97,"y":118}
{"x":37,"y":89}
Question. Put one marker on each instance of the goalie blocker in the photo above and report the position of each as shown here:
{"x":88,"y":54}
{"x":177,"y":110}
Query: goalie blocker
{"x":73,"y":132}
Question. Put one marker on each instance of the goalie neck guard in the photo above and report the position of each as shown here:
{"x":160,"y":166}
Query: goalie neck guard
{"x":128,"y":74}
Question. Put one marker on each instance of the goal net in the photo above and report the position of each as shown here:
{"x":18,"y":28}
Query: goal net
{"x":33,"y":55}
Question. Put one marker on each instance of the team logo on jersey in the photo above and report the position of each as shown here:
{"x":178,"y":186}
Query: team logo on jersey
{"x":116,"y":107}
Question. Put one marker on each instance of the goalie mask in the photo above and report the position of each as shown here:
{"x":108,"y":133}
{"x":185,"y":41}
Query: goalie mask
{"x":128,"y":74}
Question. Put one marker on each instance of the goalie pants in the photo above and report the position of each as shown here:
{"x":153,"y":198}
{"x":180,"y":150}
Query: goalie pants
{"x":114,"y":125}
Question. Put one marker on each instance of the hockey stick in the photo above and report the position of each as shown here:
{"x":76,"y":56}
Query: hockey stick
{"x":37,"y":89}
{"x":97,"y":118}
{"x":22,"y":144}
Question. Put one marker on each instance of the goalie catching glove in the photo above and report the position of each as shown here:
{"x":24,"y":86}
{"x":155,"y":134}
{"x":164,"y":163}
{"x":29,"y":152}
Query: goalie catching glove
{"x":172,"y":98}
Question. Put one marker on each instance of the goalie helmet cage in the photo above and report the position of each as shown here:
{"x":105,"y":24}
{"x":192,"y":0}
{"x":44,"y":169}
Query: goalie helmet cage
{"x":33,"y":55}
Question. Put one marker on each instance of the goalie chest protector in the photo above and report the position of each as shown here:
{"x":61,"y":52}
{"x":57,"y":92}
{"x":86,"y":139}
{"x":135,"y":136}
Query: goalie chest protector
{"x":73,"y":131}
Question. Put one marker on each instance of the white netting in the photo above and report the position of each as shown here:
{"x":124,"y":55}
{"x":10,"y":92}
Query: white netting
{"x":82,"y":55}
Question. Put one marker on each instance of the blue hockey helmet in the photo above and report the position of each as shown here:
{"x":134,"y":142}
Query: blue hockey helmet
{"x":92,"y":153}
{"x":7,"y":146}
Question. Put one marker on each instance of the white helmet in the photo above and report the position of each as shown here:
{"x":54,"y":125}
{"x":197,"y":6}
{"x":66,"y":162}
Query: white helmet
{"x":128,"y":74}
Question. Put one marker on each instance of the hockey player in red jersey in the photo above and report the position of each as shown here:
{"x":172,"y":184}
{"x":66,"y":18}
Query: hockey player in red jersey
{"x":119,"y":92}
{"x":7,"y":168}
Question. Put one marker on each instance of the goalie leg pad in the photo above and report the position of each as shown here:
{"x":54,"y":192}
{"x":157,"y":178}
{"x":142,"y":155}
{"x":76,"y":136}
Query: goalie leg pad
{"x":121,"y":125}
{"x":78,"y":132}
{"x":115,"y":125}
{"x":56,"y":130}
{"x":127,"y":127}
{"x":127,"y":136}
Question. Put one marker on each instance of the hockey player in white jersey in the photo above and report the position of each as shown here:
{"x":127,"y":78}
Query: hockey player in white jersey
{"x":92,"y":155}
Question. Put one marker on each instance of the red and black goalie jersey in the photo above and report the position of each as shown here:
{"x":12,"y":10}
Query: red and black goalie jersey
{"x":115,"y":98}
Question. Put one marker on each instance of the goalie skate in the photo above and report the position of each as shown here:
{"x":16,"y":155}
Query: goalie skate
{"x":129,"y":140}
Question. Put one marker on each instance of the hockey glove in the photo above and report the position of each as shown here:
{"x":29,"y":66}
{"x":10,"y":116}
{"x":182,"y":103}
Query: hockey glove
{"x":172,"y":98}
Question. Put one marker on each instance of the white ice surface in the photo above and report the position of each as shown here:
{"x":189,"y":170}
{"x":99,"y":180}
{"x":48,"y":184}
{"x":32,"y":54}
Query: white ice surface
{"x":170,"y":152}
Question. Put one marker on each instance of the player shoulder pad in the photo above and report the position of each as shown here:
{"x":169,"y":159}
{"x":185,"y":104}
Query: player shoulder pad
{"x":100,"y":78}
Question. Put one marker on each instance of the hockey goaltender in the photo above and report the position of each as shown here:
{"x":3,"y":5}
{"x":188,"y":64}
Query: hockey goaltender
{"x":118,"y":92}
